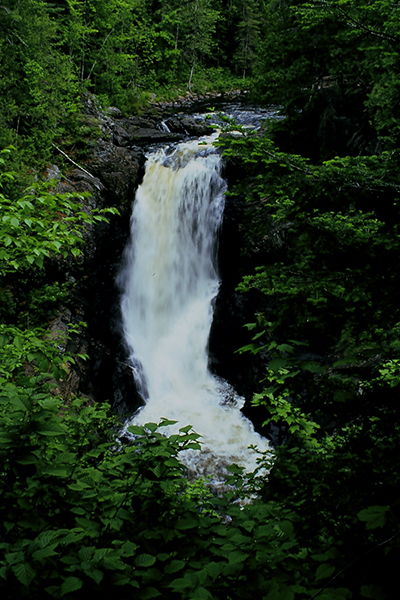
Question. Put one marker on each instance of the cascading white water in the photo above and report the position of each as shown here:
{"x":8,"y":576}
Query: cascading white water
{"x":169,"y":285}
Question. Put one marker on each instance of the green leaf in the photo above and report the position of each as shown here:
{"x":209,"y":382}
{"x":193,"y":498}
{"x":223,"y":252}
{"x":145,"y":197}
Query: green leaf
{"x":14,"y":557}
{"x":237,"y":557}
{"x":119,"y":579}
{"x":144,"y":560}
{"x":49,"y":403}
{"x":278,"y":594}
{"x":285,"y":348}
{"x":44,"y":552}
{"x":324,"y":571}
{"x":181,"y":584}
{"x":136,"y":430}
{"x":128,"y":548}
{"x":185,"y":429}
{"x":277,"y":363}
{"x":113,"y":563}
{"x":166,"y":422}
{"x":6,"y":440}
{"x":71,"y":584}
{"x":174,"y":566}
{"x":372,"y":591}
{"x":214,"y":569}
{"x":374,"y":516}
{"x":96,"y":575}
{"x":335,"y":594}
{"x":24,"y":573}
{"x":70,"y":559}
{"x":23,"y":402}
{"x":324,"y":556}
{"x":250,"y":348}
{"x":163,"y":556}
{"x":73,"y":536}
{"x":235,"y":469}
{"x":18,"y":342}
{"x":56,"y":472}
{"x":313,"y":367}
{"x":188,"y":523}
{"x":86,"y":553}
{"x":258,"y":335}
{"x":200,"y":593}
{"x":148,"y":592}
{"x":51,"y":427}
{"x":158,"y":471}
{"x":286,"y":527}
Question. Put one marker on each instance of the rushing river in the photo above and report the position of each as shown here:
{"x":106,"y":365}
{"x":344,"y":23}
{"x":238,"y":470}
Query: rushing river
{"x":170,"y":283}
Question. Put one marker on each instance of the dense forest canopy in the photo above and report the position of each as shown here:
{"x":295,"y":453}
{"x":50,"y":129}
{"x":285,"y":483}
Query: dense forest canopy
{"x":121,"y":50}
{"x":319,"y":250}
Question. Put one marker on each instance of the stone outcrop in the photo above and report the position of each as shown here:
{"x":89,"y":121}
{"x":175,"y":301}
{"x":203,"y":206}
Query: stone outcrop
{"x":119,"y":169}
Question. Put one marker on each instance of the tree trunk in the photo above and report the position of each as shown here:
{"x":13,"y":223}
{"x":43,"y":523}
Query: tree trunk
{"x":191,"y":74}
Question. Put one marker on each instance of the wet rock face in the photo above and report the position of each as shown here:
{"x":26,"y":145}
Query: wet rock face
{"x":245,"y":371}
{"x":119,"y":169}
{"x":111,"y":176}
{"x":233,"y":310}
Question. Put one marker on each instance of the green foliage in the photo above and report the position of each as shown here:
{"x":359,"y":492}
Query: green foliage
{"x":44,"y":300}
{"x":324,"y":238}
{"x":318,"y":227}
{"x":25,"y":350}
{"x":200,"y":21}
{"x":39,"y":224}
{"x":38,"y":87}
{"x":334,"y":61}
{"x":83,"y":513}
{"x":247,"y":35}
{"x":121,"y":50}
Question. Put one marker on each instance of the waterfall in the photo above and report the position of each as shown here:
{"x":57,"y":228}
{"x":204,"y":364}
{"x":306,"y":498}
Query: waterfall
{"x":169,"y":284}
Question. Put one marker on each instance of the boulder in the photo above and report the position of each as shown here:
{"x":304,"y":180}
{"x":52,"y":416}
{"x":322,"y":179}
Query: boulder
{"x":188,"y":126}
{"x":118,"y":168}
{"x":114,"y":112}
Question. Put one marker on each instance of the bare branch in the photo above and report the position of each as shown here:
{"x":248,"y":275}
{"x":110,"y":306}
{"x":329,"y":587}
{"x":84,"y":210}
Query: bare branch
{"x":379,"y":34}
{"x":98,"y":54}
{"x":353,"y":562}
{"x":73,"y":162}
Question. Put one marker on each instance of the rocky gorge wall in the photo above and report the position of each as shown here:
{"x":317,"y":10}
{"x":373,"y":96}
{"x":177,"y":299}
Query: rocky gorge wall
{"x":111,"y":174}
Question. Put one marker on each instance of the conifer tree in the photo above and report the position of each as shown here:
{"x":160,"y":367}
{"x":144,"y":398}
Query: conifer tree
{"x":247,"y":35}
